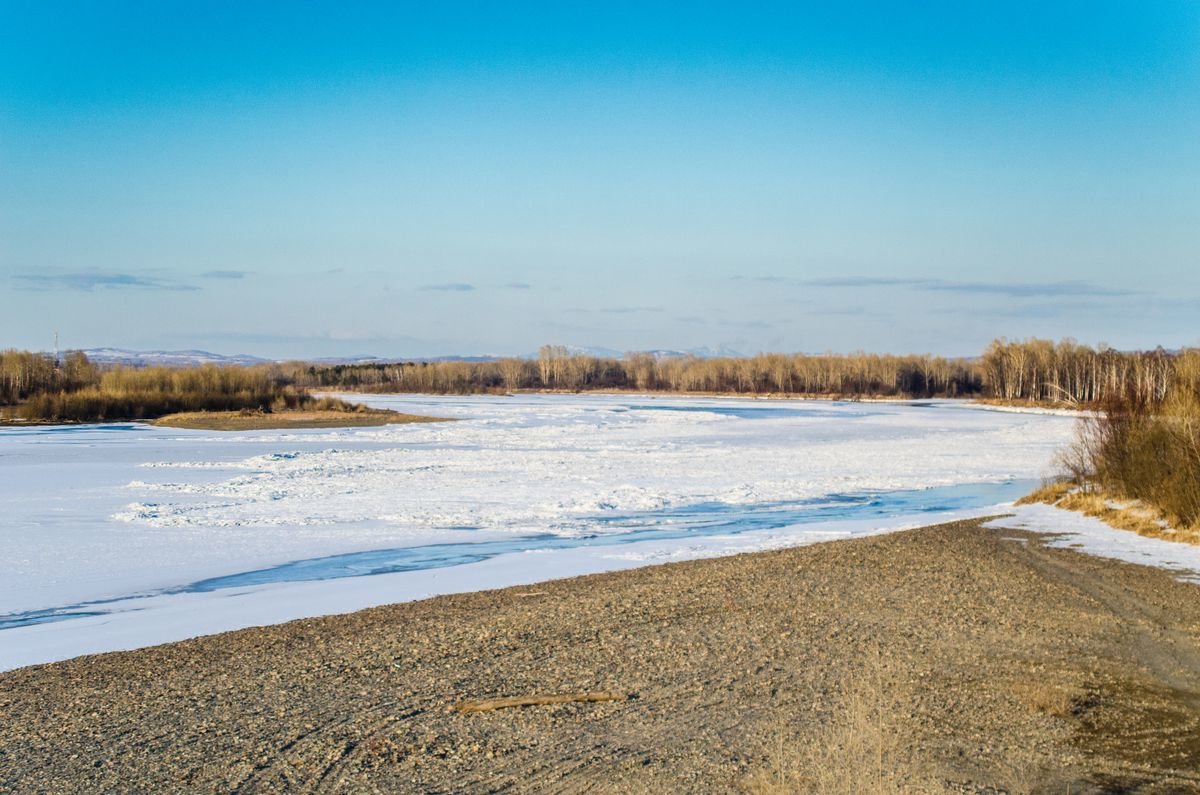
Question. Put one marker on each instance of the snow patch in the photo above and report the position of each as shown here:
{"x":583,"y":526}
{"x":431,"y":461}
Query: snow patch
{"x":1070,"y":529}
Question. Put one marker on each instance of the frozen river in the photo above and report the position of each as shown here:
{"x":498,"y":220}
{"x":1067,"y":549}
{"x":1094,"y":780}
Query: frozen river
{"x":118,"y":536}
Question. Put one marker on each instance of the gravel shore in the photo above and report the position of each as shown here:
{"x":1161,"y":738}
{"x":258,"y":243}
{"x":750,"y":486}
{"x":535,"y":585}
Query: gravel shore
{"x":947,"y":658}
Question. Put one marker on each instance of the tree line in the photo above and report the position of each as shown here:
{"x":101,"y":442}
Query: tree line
{"x":41,"y":386}
{"x":555,"y":368}
{"x":1032,"y":370}
{"x":1066,"y":372}
{"x":24,"y":373}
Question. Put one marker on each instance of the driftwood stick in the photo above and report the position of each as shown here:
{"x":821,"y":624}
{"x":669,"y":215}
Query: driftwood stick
{"x":489,"y":704}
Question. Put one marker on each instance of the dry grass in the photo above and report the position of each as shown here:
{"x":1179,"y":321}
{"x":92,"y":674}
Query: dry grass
{"x":258,"y":420}
{"x":1056,"y":701}
{"x":1117,"y":512}
{"x":863,"y":747}
{"x":1050,"y":493}
{"x":852,"y":753}
{"x":1030,"y":403}
{"x":857,"y":750}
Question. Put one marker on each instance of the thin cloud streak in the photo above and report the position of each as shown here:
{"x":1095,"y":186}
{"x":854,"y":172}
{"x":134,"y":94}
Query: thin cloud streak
{"x":1030,"y":289}
{"x":863,"y":281}
{"x":629,"y":310}
{"x":451,"y":287}
{"x":1009,"y":289}
{"x":88,"y":281}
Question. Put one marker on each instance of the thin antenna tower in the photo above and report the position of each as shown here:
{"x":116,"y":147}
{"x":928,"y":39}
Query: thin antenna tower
{"x":56,"y":363}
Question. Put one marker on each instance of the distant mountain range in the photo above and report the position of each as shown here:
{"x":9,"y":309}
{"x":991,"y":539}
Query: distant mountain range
{"x":193,"y":358}
{"x":707,"y":352}
{"x":167,"y":358}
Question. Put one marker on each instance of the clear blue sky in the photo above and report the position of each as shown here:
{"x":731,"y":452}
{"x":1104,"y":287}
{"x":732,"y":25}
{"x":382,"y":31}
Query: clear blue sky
{"x":416,"y":179}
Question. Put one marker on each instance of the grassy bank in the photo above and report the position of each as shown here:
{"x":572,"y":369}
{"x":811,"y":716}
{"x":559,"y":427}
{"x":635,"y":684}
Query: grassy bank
{"x":40,"y":390}
{"x":1123,"y":513}
{"x":249,"y":420}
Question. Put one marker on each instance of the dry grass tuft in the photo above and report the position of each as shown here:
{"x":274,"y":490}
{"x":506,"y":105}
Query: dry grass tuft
{"x":1132,"y":515}
{"x":856,"y":751}
{"x":1050,"y":493}
{"x":1048,"y":699}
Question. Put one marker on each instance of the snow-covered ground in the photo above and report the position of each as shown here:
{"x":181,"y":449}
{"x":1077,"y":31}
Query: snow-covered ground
{"x":121,"y":536}
{"x":1088,"y":534}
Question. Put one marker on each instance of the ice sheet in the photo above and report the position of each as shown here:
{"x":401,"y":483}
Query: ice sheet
{"x":105,"y":512}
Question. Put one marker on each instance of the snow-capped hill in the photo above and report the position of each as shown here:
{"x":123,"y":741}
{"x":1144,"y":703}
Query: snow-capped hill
{"x":190,"y":358}
{"x":707,"y":352}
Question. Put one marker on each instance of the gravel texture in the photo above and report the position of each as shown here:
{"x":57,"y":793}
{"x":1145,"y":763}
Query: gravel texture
{"x":988,"y":663}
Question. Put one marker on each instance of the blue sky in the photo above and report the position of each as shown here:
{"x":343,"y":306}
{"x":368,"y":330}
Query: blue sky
{"x":303,"y":179}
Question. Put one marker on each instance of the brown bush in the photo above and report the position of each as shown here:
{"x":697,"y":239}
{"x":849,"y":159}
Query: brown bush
{"x":1143,"y":451}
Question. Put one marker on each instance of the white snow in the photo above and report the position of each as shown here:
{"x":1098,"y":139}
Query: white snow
{"x":106,"y":512}
{"x":1088,"y":534}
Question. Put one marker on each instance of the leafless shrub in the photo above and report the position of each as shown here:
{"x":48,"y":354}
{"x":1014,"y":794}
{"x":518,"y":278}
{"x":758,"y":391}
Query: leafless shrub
{"x":1143,"y":452}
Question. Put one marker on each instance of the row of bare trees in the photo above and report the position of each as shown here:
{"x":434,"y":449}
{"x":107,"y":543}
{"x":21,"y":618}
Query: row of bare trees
{"x":557,"y":368}
{"x":23,"y":373}
{"x":1068,"y":372}
{"x":1030,"y":370}
{"x":1034,"y":370}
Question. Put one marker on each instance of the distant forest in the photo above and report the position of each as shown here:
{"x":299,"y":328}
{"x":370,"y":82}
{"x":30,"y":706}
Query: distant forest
{"x":39,"y":386}
{"x":1034,"y":370}
{"x":36,"y":387}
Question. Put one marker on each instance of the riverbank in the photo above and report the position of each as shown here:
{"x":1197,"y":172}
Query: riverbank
{"x":959,"y":656}
{"x":285,"y":420}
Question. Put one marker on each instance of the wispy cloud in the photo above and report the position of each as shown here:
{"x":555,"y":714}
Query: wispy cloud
{"x":767,"y":279}
{"x":866,"y":281}
{"x":93,"y":280}
{"x":1030,"y":289}
{"x":516,"y":286}
{"x":1137,"y":306}
{"x":450,"y":287}
{"x":223,"y":274}
{"x":1009,"y":289}
{"x":844,"y":311}
{"x":629,"y":310}
{"x":761,"y":324}
{"x":709,"y":321}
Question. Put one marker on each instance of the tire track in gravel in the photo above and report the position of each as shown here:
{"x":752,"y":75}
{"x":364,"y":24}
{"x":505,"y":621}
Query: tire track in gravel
{"x":1169,"y":653}
{"x":1168,"y":656}
{"x":261,"y":775}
